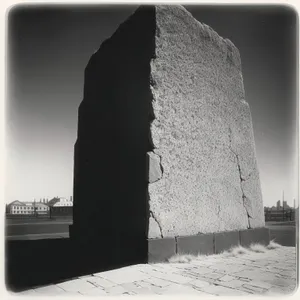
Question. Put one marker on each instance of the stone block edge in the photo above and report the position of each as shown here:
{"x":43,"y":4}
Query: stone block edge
{"x":253,"y":235}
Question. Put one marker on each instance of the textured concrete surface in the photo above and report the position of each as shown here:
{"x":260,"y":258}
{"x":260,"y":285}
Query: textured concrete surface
{"x":161,"y":249}
{"x":270,"y":273}
{"x":202,"y":131}
{"x":226,"y":240}
{"x":253,"y":236}
{"x":203,"y":244}
{"x":155,"y":169}
{"x":167,"y":90}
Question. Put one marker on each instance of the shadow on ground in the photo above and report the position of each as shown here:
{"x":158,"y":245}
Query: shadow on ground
{"x":41,"y":262}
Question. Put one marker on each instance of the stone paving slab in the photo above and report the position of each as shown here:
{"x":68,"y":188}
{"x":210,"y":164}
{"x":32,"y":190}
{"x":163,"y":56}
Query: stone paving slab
{"x":270,"y":273}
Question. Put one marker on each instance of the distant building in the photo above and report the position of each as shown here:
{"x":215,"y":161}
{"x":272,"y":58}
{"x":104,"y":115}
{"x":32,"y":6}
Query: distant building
{"x":273,"y":208}
{"x":285,"y":205}
{"x":60,"y":206}
{"x":278,"y":205}
{"x":40,"y":208}
{"x":53,"y":201}
{"x":60,"y":202}
{"x":27,"y":208}
{"x":17,"y":208}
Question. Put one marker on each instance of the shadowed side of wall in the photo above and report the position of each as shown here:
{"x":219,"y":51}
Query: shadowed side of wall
{"x":110,"y":182}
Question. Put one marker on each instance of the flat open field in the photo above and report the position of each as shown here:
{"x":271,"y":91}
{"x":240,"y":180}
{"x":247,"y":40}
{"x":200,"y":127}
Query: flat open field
{"x":283,"y":233}
{"x":37,"y":228}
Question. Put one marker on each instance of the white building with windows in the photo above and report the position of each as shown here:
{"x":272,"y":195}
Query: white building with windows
{"x":40,"y":208}
{"x":27,"y":208}
{"x":60,"y":202}
{"x":17,"y":208}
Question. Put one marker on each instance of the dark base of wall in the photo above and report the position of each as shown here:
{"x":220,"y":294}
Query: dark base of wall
{"x":214,"y":243}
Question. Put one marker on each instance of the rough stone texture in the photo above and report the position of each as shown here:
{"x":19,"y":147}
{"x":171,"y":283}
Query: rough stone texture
{"x":226,"y":240}
{"x":210,"y":243}
{"x":202,"y":131}
{"x":253,"y":236}
{"x":198,"y":244}
{"x":168,"y":89}
{"x":161,"y":249}
{"x":155,"y":170}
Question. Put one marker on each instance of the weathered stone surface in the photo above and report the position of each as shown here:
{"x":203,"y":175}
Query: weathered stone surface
{"x":161,"y":249}
{"x":226,"y":240}
{"x":154,"y":227}
{"x":167,"y":88}
{"x":198,"y":244}
{"x":253,"y":236}
{"x":155,"y":171}
{"x":202,"y":131}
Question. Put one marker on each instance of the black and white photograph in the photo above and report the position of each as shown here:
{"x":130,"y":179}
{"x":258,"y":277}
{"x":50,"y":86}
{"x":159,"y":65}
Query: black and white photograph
{"x":151,"y":149}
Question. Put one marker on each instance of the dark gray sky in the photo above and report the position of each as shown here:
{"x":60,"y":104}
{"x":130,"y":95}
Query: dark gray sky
{"x":49,"y":47}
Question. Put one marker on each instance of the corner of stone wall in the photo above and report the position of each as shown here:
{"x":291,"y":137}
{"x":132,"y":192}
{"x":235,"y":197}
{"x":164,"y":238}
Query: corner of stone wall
{"x":154,"y":161}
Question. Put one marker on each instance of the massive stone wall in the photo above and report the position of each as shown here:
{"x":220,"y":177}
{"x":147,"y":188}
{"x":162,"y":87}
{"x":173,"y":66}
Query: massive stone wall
{"x":202,"y":132}
{"x":110,"y":185}
{"x":165,"y":143}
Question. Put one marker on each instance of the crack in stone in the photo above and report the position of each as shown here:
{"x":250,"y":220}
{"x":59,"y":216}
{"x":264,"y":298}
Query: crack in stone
{"x":160,"y":165}
{"x":61,"y":288}
{"x":92,"y":283}
{"x":154,"y":218}
{"x":219,"y":209}
{"x":241,"y":178}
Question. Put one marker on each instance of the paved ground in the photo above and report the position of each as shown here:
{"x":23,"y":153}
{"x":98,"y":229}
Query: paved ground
{"x":273,"y":272}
